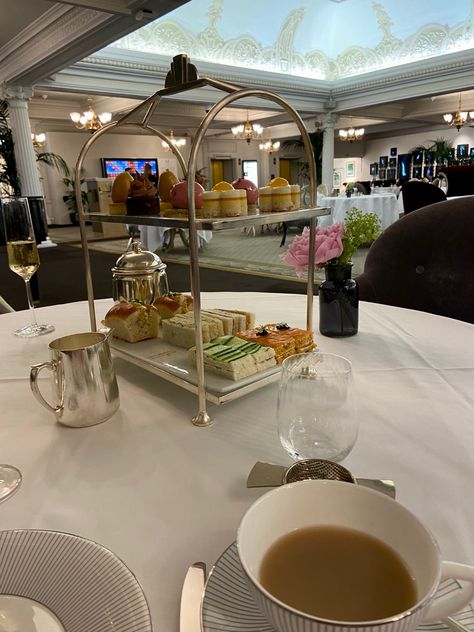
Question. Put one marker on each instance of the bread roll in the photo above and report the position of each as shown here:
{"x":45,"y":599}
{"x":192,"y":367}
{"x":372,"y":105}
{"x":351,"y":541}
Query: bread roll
{"x":132,"y":321}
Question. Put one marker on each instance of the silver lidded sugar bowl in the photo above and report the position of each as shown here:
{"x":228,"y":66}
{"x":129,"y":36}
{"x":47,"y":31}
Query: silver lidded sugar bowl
{"x":139,"y":275}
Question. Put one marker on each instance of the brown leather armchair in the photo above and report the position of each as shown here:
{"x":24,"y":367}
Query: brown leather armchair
{"x":419,"y":194}
{"x":425,"y":261}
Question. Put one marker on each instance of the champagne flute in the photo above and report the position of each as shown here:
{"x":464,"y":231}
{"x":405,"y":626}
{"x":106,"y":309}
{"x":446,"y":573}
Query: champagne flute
{"x":22,"y":252}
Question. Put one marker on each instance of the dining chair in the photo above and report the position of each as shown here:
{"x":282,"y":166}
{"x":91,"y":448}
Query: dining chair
{"x":424,"y":261}
{"x":416,"y":194}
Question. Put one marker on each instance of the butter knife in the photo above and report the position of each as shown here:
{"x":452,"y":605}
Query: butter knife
{"x":271,"y":475}
{"x":191,"y":597}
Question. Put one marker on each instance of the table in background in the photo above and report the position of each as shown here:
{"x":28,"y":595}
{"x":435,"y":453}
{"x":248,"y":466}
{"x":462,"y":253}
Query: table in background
{"x":155,"y":237}
{"x":383,"y":205}
{"x":162,"y":493}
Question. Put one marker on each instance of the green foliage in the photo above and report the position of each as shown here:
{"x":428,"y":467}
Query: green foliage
{"x":9,"y":181}
{"x":360,"y":228}
{"x":316,"y":139}
{"x":8,"y":171}
{"x":440,"y":148}
{"x":69,"y":198}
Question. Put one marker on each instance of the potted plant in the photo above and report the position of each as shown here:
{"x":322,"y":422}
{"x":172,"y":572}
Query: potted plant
{"x":69,"y":198}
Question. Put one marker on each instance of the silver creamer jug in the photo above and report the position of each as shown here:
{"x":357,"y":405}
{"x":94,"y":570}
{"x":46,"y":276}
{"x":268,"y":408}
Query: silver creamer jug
{"x":84,"y":386}
{"x":139,"y":275}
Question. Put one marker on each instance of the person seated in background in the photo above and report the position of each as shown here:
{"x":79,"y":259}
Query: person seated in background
{"x":149,"y":175}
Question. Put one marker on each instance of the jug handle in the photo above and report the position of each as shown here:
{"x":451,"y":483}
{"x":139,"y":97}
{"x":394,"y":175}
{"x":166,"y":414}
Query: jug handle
{"x":35,"y":369}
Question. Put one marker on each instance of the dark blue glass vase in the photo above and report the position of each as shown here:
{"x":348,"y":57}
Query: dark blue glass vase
{"x":338,"y":302}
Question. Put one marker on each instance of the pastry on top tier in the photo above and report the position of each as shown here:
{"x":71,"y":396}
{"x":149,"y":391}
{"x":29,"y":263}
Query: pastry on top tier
{"x":278,"y":195}
{"x":231,"y":202}
{"x":281,"y":194}
{"x":142,"y":198}
{"x":295,"y":196}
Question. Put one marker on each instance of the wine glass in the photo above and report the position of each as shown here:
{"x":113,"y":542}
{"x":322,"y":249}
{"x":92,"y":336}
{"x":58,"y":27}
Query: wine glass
{"x":22,"y":252}
{"x":10,"y":479}
{"x":316,"y":411}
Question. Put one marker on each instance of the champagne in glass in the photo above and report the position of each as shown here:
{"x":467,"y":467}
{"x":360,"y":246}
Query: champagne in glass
{"x":23,"y":257}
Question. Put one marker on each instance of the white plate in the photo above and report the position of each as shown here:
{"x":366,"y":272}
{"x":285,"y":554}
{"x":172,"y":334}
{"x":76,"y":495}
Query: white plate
{"x":228,"y":606}
{"x":175,"y":360}
{"x":85,"y":586}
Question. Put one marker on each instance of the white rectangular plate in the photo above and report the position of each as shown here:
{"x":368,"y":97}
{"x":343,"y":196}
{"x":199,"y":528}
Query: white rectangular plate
{"x":175,"y":360}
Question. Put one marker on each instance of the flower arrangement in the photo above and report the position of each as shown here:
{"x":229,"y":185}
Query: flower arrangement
{"x":334,"y":245}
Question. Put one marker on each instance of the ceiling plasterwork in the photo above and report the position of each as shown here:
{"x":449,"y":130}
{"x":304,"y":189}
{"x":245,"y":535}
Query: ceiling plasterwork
{"x":377,"y":35}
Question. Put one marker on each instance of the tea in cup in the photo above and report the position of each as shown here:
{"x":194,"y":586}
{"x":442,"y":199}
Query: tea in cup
{"x":325,"y":556}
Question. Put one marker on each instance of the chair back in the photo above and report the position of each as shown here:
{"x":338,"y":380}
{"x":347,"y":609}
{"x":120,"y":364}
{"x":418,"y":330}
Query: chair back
{"x":424,"y":261}
{"x":417,"y":194}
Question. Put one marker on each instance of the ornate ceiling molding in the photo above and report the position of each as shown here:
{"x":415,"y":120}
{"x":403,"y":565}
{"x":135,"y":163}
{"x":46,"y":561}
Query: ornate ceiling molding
{"x":171,"y":37}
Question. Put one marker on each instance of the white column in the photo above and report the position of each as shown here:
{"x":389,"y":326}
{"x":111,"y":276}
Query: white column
{"x":328,"y":150}
{"x":17,"y":98}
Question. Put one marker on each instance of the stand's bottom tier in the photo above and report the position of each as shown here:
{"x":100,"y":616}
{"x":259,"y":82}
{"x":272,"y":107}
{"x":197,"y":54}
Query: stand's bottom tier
{"x":173,"y":364}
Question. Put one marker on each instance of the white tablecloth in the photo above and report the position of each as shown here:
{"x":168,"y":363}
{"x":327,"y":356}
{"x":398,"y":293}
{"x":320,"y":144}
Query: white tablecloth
{"x":383,"y":205}
{"x":162,"y":493}
{"x":154,"y":237}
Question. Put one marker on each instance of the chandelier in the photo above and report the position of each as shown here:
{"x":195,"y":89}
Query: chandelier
{"x":458,"y":118}
{"x":89,"y":120}
{"x":247,"y":131}
{"x":176,"y":142}
{"x":270,"y":146}
{"x":351,"y":134}
{"x":38,"y":140}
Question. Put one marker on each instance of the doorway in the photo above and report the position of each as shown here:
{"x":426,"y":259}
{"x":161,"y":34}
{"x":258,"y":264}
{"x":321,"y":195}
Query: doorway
{"x":222,"y":169}
{"x":290,"y":169}
{"x":250,"y":170}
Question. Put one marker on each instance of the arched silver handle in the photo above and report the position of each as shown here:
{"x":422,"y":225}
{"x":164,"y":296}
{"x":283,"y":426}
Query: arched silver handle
{"x":34,"y":372}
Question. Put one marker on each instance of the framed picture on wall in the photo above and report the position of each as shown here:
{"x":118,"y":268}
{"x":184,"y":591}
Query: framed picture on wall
{"x":392,"y":163}
{"x":462,"y":151}
{"x":350,"y":169}
{"x":428,"y":172}
{"x":471,"y":151}
{"x":417,"y":172}
{"x":374,"y":168}
{"x":393,"y":151}
{"x":404,"y":164}
{"x":383,"y":161}
{"x":418,"y":157}
{"x":336,"y":178}
{"x":391,"y":174}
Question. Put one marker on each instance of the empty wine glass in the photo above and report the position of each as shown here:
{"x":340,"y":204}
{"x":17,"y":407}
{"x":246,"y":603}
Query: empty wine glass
{"x":10,"y":479}
{"x":23,"y":258}
{"x":316,"y":412}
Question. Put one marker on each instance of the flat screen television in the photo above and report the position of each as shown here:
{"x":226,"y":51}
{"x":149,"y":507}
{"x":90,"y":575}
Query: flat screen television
{"x":112,"y":167}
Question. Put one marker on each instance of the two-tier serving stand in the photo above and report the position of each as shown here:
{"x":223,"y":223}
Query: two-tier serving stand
{"x":181,"y":78}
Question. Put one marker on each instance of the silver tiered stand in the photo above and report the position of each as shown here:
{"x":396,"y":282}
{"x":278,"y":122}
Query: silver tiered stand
{"x":181,"y":78}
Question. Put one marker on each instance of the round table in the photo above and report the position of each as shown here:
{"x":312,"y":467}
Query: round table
{"x":163,"y":494}
{"x":385,"y":206}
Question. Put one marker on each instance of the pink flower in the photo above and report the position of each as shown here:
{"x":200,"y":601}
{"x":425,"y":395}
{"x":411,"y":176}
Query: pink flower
{"x":328,"y":246}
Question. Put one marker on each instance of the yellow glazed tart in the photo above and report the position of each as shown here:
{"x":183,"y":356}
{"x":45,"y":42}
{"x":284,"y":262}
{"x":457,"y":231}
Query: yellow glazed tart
{"x":230,"y":203}
{"x":265,"y":199}
{"x":295,"y":195}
